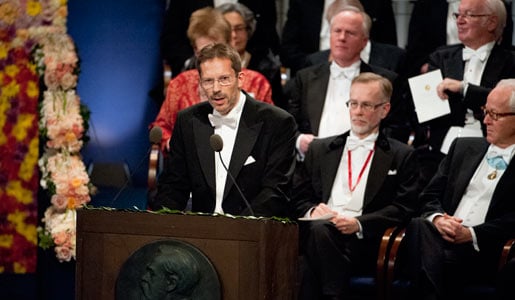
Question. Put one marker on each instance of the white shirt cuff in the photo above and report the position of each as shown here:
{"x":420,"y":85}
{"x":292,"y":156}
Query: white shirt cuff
{"x":300,"y":155}
{"x":359,"y":234}
{"x":474,"y":239}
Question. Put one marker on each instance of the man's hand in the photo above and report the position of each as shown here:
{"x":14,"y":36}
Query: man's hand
{"x":451,"y":228}
{"x":448,"y":85}
{"x":346,"y":225}
{"x":321,"y":210}
{"x":304,"y":141}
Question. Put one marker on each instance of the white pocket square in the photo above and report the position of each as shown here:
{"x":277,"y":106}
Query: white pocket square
{"x":249,"y":160}
{"x":392,"y":172}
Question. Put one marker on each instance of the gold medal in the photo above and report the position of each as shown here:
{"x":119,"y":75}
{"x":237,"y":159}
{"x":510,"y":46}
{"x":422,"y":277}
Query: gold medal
{"x":492,"y":175}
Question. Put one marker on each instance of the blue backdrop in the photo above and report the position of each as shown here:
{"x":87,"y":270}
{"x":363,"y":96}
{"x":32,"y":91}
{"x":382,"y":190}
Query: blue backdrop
{"x":118,"y":45}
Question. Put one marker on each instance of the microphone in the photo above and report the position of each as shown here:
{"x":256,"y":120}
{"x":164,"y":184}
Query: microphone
{"x":155,"y":136}
{"x":216,"y":142}
{"x":217,"y":145}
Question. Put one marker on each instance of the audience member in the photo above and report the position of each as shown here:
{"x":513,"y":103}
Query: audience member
{"x":432,"y":25}
{"x":258,"y":148}
{"x":243,"y":24}
{"x":319,"y":92}
{"x":379,"y":54}
{"x":468,"y":212}
{"x":207,"y":26}
{"x":469,"y":70}
{"x":175,"y":47}
{"x":306,"y":30}
{"x":364,"y":182}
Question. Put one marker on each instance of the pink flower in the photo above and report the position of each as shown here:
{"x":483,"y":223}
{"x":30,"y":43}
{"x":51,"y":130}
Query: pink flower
{"x":63,"y":253}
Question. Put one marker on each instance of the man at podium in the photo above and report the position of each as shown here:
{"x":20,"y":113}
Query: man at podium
{"x":232,"y":154}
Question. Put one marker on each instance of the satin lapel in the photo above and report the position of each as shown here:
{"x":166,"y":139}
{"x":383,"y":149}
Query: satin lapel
{"x":505,"y":186}
{"x":248,"y":132}
{"x":364,"y":67}
{"x":318,"y":82}
{"x":202,"y":131}
{"x":493,"y":68}
{"x":328,"y":168}
{"x":454,"y":66}
{"x":379,"y":168}
{"x":472,"y":157}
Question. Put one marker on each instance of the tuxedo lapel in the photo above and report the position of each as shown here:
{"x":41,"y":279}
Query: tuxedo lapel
{"x":504,"y":188}
{"x":455,"y":65}
{"x":493,"y":68}
{"x":329,"y":167}
{"x":248,"y":132}
{"x":472,"y":157}
{"x":202,"y":131}
{"x":379,"y":168}
{"x":318,"y":82}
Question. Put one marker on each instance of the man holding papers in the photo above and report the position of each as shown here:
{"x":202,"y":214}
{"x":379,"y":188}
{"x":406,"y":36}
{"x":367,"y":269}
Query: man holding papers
{"x":469,"y":70}
{"x":350,"y":189}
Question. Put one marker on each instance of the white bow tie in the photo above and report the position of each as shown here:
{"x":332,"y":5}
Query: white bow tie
{"x":354,"y":142}
{"x":217,"y":121}
{"x":338,"y":72}
{"x":469,"y":53}
{"x":496,"y":151}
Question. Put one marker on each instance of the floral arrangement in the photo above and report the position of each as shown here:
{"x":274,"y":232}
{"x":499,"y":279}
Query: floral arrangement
{"x":62,"y":127}
{"x":37,"y":30}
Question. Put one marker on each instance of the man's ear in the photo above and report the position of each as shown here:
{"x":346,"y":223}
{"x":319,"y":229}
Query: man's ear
{"x":172,"y":282}
{"x":385,"y":109}
{"x":492,"y":23}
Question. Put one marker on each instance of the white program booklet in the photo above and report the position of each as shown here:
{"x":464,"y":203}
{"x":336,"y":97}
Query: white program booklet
{"x":428,"y":105}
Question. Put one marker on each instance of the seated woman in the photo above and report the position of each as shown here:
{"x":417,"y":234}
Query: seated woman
{"x":243,"y":24}
{"x":207,"y":26}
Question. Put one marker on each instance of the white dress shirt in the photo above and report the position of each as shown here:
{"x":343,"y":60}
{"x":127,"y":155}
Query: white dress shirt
{"x":228,"y":136}
{"x":342,"y":199}
{"x":335,"y":114}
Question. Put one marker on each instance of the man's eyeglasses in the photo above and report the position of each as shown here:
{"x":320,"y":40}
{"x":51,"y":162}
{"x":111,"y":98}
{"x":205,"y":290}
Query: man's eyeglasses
{"x":366,"y":106}
{"x":495,"y":115}
{"x":208,"y":83}
{"x":467,"y":16}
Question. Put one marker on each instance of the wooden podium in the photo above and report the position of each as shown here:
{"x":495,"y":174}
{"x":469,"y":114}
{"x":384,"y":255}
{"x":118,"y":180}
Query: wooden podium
{"x":254,"y":259}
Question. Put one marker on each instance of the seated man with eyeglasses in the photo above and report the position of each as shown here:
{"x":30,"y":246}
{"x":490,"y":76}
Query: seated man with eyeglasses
{"x":470,"y":70}
{"x":256,"y":143}
{"x":319,"y":92}
{"x":468,"y":212}
{"x":350,"y":189}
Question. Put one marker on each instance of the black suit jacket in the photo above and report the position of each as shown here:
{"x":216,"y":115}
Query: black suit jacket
{"x":301,"y":32}
{"x":309,"y":91}
{"x":265,"y":132}
{"x":500,"y":65}
{"x":176,"y":48}
{"x":392,"y":186}
{"x":386,"y":56}
{"x":428,"y":31}
{"x":444,"y":192}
